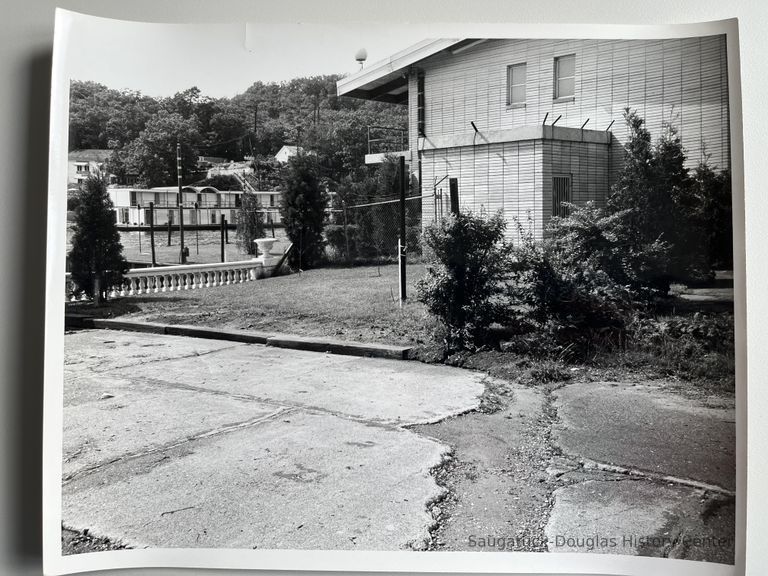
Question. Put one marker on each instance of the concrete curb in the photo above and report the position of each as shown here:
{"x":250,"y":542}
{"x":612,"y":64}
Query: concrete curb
{"x":244,"y":336}
{"x":340,"y":347}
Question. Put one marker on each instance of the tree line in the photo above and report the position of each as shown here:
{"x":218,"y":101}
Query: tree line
{"x":142,"y":131}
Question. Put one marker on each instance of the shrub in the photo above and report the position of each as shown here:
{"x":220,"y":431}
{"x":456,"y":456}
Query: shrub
{"x":467,"y":264}
{"x":339,"y":238}
{"x":698,"y":347}
{"x":606,"y":248}
{"x":569,"y":303}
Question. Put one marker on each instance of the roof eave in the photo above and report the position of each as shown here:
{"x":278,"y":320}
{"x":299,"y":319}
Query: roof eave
{"x":360,"y":84}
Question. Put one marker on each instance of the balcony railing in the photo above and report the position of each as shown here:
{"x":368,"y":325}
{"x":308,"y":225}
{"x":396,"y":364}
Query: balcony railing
{"x":386,"y":139}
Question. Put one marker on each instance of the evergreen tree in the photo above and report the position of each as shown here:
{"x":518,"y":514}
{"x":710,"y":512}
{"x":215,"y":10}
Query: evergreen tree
{"x":303,"y":210}
{"x":657,"y":200}
{"x":96,"y":258}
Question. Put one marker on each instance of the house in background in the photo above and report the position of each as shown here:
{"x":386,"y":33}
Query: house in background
{"x":205,"y":162}
{"x":286,"y":153}
{"x":230,"y":169}
{"x":84,"y":163}
{"x":524,"y":125}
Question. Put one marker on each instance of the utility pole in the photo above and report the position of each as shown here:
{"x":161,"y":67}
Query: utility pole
{"x":401,"y":241}
{"x":180,"y":201}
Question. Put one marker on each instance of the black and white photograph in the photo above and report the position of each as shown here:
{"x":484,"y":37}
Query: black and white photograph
{"x":347,"y":291}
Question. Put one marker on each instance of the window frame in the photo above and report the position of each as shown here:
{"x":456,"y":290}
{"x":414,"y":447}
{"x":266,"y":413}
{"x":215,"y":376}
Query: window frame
{"x":510,"y":85}
{"x":556,"y":95}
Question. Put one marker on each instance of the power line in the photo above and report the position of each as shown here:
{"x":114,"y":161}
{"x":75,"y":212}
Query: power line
{"x":389,"y":201}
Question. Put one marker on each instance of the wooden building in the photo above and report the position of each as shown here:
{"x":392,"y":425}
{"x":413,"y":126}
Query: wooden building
{"x":526,"y":124}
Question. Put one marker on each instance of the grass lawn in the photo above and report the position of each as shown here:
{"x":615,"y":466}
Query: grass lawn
{"x":359,"y":303}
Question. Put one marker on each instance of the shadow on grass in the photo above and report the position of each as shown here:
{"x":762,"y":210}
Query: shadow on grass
{"x":113,"y":308}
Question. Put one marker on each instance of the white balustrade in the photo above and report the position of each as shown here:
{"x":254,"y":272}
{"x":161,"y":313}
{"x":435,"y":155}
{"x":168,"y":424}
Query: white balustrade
{"x":139,"y":281}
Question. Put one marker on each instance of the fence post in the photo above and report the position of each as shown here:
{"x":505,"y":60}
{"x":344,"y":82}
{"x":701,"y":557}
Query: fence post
{"x":453,"y":184}
{"x":152,"y":231}
{"x":222,"y":224}
{"x":346,"y":231}
{"x":401,"y":243}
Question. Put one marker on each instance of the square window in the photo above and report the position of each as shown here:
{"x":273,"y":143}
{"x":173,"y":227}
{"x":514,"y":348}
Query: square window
{"x":565,"y":76}
{"x":516,"y":77}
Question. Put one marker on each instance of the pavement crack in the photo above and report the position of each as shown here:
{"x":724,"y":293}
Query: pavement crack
{"x":143,"y":362}
{"x":169,"y":512}
{"x":386,"y":424}
{"x":634,"y":473}
{"x":208,"y":434}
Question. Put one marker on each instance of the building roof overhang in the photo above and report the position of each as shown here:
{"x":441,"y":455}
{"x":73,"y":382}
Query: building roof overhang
{"x":387,"y":80}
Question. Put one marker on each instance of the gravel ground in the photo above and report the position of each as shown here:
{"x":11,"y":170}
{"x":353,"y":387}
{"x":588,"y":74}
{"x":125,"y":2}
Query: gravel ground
{"x":499,"y":491}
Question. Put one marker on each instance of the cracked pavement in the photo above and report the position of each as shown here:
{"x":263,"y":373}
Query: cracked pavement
{"x":597,"y":467}
{"x":645,"y":471}
{"x":181,"y":442}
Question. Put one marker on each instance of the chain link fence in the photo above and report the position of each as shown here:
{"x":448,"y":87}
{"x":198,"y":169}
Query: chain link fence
{"x":368,"y":233}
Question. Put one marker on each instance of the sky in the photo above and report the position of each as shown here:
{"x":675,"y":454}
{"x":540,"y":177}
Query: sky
{"x":222,"y":59}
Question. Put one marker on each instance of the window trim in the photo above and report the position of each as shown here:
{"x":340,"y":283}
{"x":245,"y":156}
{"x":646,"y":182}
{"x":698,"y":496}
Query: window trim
{"x":556,"y":96}
{"x":510,"y":103}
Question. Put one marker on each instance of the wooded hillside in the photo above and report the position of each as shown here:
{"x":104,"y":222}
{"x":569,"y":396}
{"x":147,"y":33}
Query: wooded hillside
{"x":142,"y":131}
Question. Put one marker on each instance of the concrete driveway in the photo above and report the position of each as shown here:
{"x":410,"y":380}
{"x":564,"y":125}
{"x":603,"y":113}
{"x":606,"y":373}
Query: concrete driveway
{"x":180,"y":442}
{"x":657,"y":472}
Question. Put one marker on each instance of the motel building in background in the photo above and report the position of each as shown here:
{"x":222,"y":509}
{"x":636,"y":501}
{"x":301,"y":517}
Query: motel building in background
{"x":203,"y":205}
{"x":523,"y":125}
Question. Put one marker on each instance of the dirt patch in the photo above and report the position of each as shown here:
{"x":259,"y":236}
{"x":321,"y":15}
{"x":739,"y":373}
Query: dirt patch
{"x":82,"y":542}
{"x":498,"y":489}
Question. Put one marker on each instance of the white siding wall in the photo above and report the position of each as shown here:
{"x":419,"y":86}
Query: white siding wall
{"x":682,"y":81}
{"x":678,"y":81}
{"x":505,"y":176}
